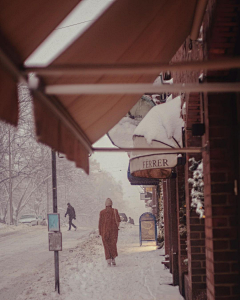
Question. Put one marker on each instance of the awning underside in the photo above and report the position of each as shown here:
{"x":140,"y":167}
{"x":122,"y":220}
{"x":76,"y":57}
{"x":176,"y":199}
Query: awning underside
{"x":135,"y":32}
{"x":24,"y":25}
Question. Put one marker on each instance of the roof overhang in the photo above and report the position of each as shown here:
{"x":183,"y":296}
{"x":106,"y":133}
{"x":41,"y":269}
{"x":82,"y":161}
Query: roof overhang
{"x":135,"y":32}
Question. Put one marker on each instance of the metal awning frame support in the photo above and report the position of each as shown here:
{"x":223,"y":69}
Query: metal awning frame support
{"x":131,"y":69}
{"x":140,"y":88}
{"x":137,"y":88}
{"x":154,"y":150}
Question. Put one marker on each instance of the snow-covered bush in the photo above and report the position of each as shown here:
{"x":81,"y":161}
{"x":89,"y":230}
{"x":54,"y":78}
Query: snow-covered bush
{"x":197,"y":192}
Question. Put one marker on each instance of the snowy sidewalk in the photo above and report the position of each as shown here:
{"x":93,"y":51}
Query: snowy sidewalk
{"x":84,"y":274}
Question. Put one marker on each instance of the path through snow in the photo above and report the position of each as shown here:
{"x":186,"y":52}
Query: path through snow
{"x":84,"y":274}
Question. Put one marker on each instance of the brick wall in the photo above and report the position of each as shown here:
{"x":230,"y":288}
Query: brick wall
{"x":221,"y":203}
{"x":182,"y":236}
{"x":195,"y":285}
{"x":220,"y":200}
{"x":220,"y":38}
{"x":195,"y":226}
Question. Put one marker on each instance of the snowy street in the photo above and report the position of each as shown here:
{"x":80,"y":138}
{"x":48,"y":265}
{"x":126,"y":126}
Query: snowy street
{"x":24,"y":257}
{"x":28,"y":268}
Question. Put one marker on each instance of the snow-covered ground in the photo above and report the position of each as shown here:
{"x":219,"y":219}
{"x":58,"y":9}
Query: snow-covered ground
{"x":4,"y":228}
{"x":25,"y":257}
{"x":84,"y":274}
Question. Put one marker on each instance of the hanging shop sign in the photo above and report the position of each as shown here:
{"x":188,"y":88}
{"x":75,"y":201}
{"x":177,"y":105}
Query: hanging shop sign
{"x":147,"y":228}
{"x":160,"y":128}
{"x":151,"y":165}
{"x":156,"y":161}
{"x":146,"y":196}
{"x":141,"y":180}
{"x":152,"y":173}
{"x":121,"y":134}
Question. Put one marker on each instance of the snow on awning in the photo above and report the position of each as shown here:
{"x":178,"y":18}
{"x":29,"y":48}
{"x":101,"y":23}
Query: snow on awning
{"x":121,"y":134}
{"x":161,"y":128}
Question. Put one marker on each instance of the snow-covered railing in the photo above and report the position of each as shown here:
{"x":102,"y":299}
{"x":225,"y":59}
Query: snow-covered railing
{"x":197,"y":192}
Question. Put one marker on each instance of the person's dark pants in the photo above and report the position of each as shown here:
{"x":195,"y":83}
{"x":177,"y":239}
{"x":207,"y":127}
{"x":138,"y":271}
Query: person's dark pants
{"x":71,"y":224}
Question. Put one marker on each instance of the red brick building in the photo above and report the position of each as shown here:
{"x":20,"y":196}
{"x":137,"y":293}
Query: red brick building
{"x":211,"y":244}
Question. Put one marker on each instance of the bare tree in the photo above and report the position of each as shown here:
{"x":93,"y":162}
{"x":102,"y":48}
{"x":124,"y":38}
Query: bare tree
{"x":25,"y":175}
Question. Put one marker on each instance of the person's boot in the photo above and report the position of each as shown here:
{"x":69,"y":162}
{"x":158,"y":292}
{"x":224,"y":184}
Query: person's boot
{"x":113,"y":262}
{"x":109,"y":262}
{"x":75,"y":228}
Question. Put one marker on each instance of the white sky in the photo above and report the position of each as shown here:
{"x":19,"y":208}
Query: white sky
{"x":66,"y":32}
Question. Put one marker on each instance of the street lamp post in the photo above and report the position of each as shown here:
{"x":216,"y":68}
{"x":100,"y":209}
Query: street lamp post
{"x":54,"y":187}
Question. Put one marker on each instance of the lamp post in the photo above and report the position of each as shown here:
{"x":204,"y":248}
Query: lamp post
{"x":54,"y":187}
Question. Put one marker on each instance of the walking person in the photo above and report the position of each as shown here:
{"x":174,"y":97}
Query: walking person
{"x":71,"y":213}
{"x":109,"y":220}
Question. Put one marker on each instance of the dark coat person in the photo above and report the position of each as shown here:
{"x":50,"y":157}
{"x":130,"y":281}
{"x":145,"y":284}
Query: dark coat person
{"x":131,"y":221}
{"x":72,"y":215}
{"x":108,"y":228}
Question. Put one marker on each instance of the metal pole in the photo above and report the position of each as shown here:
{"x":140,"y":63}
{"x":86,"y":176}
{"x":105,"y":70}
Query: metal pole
{"x":10,"y":177}
{"x":54,"y":185}
{"x":140,"y":88}
{"x":126,"y":69}
{"x":153,"y":150}
{"x":54,"y":181}
{"x":56,"y":260}
{"x":47,"y":199}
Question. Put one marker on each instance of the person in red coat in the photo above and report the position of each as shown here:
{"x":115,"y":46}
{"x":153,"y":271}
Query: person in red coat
{"x":108,"y":229}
